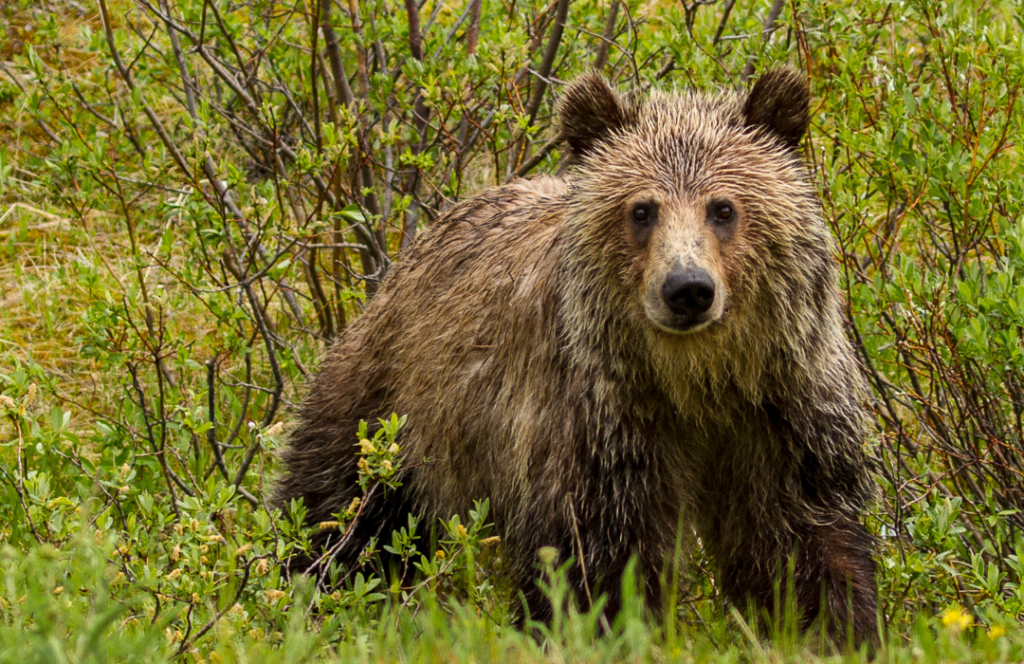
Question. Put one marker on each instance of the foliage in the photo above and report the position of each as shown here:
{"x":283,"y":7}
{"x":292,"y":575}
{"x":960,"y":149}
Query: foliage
{"x":197,"y":197}
{"x":918,"y":159}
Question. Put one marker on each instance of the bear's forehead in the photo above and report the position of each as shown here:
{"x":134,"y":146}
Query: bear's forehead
{"x":691,"y":146}
{"x":694,"y":107}
{"x":701,"y":127}
{"x":692,"y":156}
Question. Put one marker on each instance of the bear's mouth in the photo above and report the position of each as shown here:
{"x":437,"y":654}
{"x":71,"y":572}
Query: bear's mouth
{"x":694,"y":326}
{"x":678,"y":325}
{"x":687,"y":327}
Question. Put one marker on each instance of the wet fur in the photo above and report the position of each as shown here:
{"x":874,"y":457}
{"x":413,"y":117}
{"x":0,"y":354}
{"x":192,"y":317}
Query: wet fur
{"x":513,"y":335}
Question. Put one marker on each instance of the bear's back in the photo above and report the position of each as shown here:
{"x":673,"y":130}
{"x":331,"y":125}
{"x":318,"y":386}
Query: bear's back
{"x":463,"y":319}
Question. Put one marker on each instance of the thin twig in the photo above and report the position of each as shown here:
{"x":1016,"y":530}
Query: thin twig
{"x":542,"y":75}
{"x":211,"y":405}
{"x":766,"y":33}
{"x":722,"y":23}
{"x":537,"y":157}
{"x":20,"y":486}
{"x":186,"y":644}
{"x":601,"y":59}
{"x":419,"y":119}
{"x":544,"y":71}
{"x":275,"y":398}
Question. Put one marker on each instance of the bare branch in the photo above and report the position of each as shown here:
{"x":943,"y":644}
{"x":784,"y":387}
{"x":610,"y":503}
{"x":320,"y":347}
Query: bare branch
{"x":766,"y":33}
{"x":537,"y":157}
{"x":722,"y":23}
{"x":544,"y":71}
{"x":601,"y":59}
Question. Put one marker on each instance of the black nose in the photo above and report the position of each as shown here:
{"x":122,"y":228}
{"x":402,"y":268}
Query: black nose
{"x":688,"y":292}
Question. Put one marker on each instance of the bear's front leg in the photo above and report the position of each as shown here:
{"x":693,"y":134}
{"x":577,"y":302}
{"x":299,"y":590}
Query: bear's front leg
{"x":832,"y":577}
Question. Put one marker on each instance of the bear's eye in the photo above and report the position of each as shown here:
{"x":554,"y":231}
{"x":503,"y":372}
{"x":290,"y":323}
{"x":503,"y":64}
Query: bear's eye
{"x":643,"y":214}
{"x":722,"y":212}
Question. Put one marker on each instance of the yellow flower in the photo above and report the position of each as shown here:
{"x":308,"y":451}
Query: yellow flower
{"x":956,"y":619}
{"x":548,"y":555}
{"x":996,"y":631}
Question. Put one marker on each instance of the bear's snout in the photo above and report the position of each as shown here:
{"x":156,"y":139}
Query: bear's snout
{"x":688,"y":293}
{"x":689,"y":296}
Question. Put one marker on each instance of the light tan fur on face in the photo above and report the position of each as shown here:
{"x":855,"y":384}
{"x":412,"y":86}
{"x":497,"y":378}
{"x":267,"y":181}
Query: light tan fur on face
{"x":682,"y":239}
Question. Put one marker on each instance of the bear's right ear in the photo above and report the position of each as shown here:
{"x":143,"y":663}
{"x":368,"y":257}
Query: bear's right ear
{"x":589,"y":111}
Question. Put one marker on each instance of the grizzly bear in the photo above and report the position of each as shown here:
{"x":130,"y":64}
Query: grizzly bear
{"x":646,"y":349}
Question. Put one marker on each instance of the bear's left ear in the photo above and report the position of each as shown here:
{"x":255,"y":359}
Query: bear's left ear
{"x":589,"y":111}
{"x":780,"y":103}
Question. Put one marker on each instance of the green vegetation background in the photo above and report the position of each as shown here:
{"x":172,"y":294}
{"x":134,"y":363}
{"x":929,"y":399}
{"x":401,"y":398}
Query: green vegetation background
{"x":196,"y":196}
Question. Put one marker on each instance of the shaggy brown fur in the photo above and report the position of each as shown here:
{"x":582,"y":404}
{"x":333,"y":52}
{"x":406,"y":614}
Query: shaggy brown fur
{"x":544,"y":342}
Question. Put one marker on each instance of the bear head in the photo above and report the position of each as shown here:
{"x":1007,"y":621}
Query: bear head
{"x":698,"y":207}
